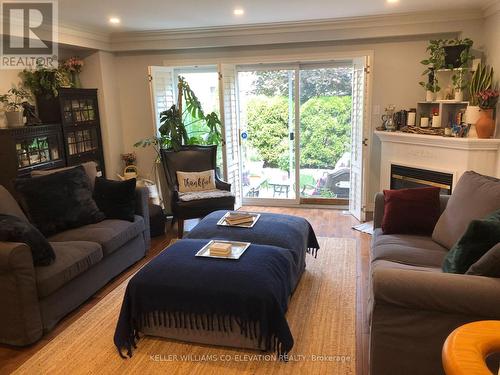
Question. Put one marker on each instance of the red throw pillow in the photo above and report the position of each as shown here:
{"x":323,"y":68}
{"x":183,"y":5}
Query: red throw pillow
{"x":411,"y":211}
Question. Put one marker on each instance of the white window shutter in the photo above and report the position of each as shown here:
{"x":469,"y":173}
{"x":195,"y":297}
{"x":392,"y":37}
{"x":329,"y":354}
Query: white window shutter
{"x":357,"y":191}
{"x":161,"y":85}
{"x":162,"y":90}
{"x":230,"y":128}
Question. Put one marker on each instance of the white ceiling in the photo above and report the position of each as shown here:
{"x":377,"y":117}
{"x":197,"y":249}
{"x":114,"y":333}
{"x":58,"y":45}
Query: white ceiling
{"x":139,"y":15}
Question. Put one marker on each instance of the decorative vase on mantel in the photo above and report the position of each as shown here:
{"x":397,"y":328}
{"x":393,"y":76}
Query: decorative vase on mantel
{"x":75,"y":80}
{"x":485,"y":125}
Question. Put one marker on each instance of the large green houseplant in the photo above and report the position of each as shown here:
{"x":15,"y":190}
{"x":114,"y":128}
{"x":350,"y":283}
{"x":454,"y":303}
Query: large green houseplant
{"x":185,"y":123}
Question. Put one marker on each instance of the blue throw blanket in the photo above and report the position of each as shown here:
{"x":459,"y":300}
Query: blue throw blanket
{"x":177,"y":289}
{"x":289,"y":232}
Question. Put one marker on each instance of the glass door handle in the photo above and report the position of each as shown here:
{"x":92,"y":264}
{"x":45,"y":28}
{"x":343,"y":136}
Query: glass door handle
{"x":292,"y":136}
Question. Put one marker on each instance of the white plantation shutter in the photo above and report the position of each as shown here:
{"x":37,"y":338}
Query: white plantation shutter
{"x":359,"y":139}
{"x":162,"y":90}
{"x":161,"y":85}
{"x":230,"y":128}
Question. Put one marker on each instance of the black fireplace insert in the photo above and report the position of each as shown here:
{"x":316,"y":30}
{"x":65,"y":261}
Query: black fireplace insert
{"x":407,"y":178}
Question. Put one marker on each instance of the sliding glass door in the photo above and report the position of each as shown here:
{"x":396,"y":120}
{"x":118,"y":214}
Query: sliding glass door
{"x":325,"y":133}
{"x":295,"y":113}
{"x":267,"y":128}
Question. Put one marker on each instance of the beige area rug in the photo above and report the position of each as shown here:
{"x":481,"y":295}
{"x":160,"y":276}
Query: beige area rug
{"x":321,"y":316}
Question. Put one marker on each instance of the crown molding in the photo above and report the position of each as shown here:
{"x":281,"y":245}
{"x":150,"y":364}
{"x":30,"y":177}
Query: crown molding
{"x":491,"y":7}
{"x":368,"y":27}
{"x":78,"y":36}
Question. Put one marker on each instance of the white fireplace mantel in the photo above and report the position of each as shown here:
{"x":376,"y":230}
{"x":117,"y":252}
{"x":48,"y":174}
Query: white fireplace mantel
{"x":441,"y":154}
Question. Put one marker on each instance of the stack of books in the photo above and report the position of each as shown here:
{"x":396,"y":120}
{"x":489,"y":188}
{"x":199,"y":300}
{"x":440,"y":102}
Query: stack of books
{"x":220,"y":249}
{"x":235,"y":218}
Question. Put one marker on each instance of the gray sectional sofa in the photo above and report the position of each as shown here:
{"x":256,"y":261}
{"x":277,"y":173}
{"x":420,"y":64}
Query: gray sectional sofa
{"x":414,"y":306}
{"x":34,"y":299}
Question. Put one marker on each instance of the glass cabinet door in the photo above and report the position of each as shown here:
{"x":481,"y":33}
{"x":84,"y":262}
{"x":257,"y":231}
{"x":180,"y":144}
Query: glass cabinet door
{"x":79,"y":110}
{"x":37,"y":150}
{"x":80,"y":141}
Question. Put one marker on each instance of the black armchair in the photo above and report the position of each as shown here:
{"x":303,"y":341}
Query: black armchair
{"x":194,"y":159}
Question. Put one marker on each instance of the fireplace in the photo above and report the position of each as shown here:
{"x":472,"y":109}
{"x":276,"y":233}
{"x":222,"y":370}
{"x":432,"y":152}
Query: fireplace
{"x":406,"y":177}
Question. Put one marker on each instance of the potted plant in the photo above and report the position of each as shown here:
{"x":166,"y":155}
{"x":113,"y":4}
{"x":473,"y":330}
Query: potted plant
{"x":434,"y":62}
{"x":485,"y":125}
{"x":74,"y":67}
{"x":13,"y":105}
{"x":185,"y":126}
{"x":44,"y":84}
{"x":459,"y":66}
{"x":457,"y":52}
{"x":431,"y":86}
{"x":481,"y":80}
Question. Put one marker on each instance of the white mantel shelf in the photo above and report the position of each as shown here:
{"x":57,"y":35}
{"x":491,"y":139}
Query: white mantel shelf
{"x":436,"y":153}
{"x":439,"y":141}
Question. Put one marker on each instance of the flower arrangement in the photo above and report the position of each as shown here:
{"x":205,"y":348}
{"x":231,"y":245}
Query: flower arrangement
{"x":129,"y":158}
{"x":73,"y":64}
{"x":488,"y":99}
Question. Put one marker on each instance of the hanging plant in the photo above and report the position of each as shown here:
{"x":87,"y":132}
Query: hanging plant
{"x":185,"y":126}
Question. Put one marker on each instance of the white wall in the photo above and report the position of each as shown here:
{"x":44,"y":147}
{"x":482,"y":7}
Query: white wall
{"x":99,"y":72}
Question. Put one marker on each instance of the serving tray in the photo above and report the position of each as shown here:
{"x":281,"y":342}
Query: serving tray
{"x":237,"y":250}
{"x":223,"y":222}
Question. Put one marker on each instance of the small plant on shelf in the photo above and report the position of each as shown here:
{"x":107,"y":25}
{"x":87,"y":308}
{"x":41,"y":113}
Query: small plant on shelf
{"x":13,"y":105}
{"x":14,"y":99}
{"x":431,"y":86}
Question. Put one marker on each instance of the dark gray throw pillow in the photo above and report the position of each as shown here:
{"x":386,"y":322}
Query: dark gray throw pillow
{"x":488,"y":265}
{"x":14,"y":229}
{"x":115,"y":198}
{"x":59,"y":201}
{"x":478,"y":239}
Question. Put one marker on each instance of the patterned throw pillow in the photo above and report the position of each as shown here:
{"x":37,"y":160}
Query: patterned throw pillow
{"x":196,"y":181}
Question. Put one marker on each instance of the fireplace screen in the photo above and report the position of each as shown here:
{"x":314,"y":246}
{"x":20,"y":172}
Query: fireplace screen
{"x":407,"y":178}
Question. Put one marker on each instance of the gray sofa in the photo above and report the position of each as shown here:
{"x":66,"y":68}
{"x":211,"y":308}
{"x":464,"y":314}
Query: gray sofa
{"x":414,"y":306}
{"x":34,"y":299}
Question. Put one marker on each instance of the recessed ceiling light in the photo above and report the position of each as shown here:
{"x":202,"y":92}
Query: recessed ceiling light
{"x":238,"y":12}
{"x":114,"y":20}
{"x":392,"y":1}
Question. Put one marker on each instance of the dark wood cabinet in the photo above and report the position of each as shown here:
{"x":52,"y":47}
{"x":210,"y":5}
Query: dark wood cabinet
{"x":76,"y":139}
{"x":81,"y":126}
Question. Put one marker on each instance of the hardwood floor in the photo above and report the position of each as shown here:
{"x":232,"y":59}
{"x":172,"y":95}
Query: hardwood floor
{"x":326,"y":223}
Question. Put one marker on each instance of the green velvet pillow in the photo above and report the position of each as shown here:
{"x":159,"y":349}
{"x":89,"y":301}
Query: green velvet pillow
{"x":480,"y":236}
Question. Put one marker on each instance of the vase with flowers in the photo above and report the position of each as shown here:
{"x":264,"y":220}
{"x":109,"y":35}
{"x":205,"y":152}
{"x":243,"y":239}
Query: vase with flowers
{"x":485,"y":125}
{"x":74,"y":66}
